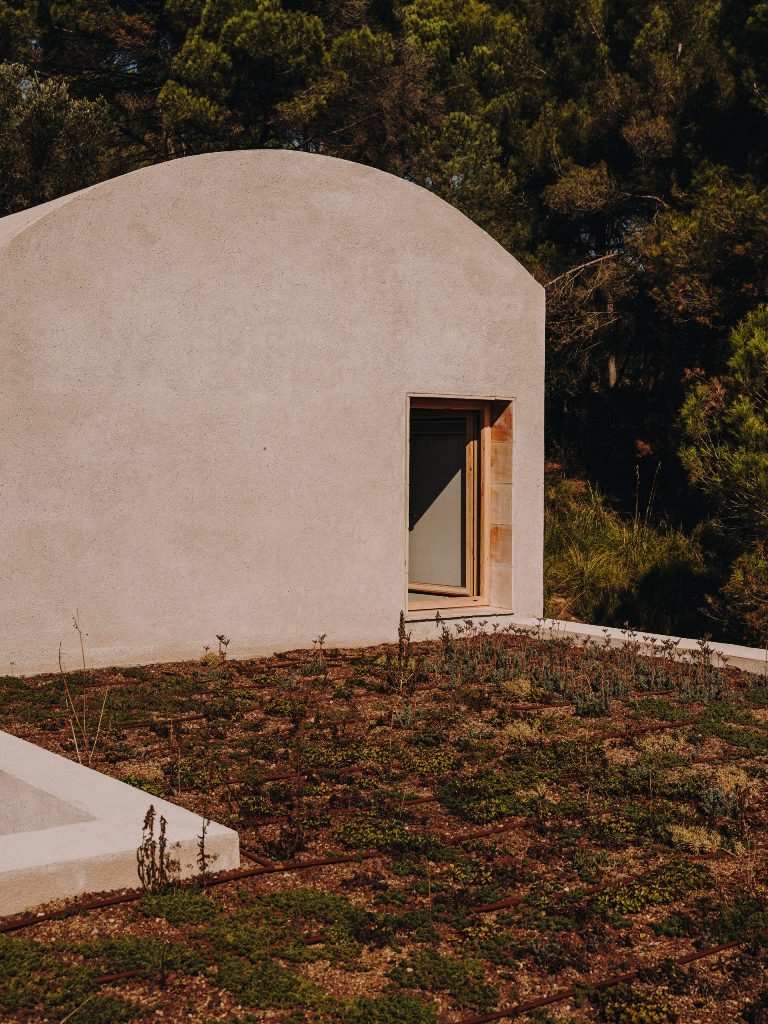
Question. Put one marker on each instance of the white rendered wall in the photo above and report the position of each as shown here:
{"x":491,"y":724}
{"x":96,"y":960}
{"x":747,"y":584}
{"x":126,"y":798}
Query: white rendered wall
{"x":203,"y":404}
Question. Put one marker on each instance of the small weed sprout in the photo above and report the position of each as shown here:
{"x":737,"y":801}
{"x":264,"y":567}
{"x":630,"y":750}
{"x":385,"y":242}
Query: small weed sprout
{"x":157,"y":869}
{"x":319,"y":661}
{"x":402,"y":668}
{"x":204,"y":858}
{"x":218,"y":656}
{"x":319,"y":647}
{"x":446,"y":638}
{"x":83,"y":735}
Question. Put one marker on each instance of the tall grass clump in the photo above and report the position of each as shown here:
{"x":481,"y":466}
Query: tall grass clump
{"x":602,"y":567}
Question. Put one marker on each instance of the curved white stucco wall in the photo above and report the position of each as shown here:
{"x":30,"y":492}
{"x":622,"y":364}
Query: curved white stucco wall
{"x":205,"y":367}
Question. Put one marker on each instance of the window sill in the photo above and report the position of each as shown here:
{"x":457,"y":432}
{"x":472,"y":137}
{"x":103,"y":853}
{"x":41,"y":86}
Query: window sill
{"x":467,"y":611}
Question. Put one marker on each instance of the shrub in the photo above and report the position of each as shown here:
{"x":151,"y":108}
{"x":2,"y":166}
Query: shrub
{"x":463,"y":979}
{"x":664,"y":710}
{"x":523,"y":732}
{"x":211,"y":658}
{"x":432,"y":762}
{"x":662,"y":750}
{"x":258,"y":940}
{"x":32,"y":977}
{"x":519,"y":689}
{"x":486,"y":797}
{"x":742,"y":603}
{"x":285,"y":707}
{"x":665,"y":885}
{"x":390,"y":1009}
{"x":726,"y":791}
{"x":368,"y":831}
{"x":106,"y":1009}
{"x":693,"y":838}
{"x":628,"y":825}
{"x":267,"y":985}
{"x":179,"y":906}
{"x":625,"y":1004}
{"x":152,"y":956}
{"x":599,"y":567}
{"x":738,"y":918}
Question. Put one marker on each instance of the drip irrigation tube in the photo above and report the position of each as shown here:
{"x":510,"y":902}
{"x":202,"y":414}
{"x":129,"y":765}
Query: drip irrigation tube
{"x":642,"y":730}
{"x":340,"y":812}
{"x":513,"y":901}
{"x":568,"y":993}
{"x":255,"y":857}
{"x":270,"y":867}
{"x":481,"y":833}
{"x":133,"y":895}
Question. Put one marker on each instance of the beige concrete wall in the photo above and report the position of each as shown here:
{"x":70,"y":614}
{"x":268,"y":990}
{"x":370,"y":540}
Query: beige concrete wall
{"x":204,"y":404}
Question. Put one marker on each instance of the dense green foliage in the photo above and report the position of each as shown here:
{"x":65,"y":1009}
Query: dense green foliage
{"x":602,"y":567}
{"x":617,"y":148}
{"x":725,"y":423}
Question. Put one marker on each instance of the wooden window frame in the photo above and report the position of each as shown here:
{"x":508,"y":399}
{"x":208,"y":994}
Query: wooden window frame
{"x":477,"y":503}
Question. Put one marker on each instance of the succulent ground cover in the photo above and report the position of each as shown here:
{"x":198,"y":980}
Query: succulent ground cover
{"x":508,"y":819}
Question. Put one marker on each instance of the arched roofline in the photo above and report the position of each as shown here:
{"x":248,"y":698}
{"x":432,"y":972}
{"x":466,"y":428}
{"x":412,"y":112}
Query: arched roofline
{"x":23,"y":222}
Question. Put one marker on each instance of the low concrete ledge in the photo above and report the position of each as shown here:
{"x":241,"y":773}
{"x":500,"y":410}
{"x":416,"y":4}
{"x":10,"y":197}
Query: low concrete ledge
{"x":748,"y":659}
{"x":422,"y":626}
{"x":66,"y":830}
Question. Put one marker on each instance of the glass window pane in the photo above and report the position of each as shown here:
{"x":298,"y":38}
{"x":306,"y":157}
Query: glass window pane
{"x":437,"y":513}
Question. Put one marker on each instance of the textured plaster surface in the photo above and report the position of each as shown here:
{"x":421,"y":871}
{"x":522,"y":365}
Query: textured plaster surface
{"x":67,"y":830}
{"x":203,"y":405}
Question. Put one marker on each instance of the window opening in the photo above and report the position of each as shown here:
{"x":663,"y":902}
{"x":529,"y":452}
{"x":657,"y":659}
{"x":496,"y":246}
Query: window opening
{"x":445,"y":508}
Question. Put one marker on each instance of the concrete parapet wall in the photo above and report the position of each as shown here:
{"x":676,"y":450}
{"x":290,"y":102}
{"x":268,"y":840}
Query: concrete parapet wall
{"x":69,"y":830}
{"x":747,"y":659}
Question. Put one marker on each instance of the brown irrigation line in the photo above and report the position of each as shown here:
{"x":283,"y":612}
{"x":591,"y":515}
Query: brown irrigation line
{"x":154,"y":723}
{"x":513,"y":901}
{"x":157,"y":724}
{"x":255,"y":857}
{"x":284,"y":776}
{"x":481,"y":833}
{"x":340,"y":812}
{"x":313,"y":939}
{"x":108,"y":979}
{"x":642,"y":730}
{"x":133,"y":895}
{"x":568,"y":993}
{"x":592,"y":890}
